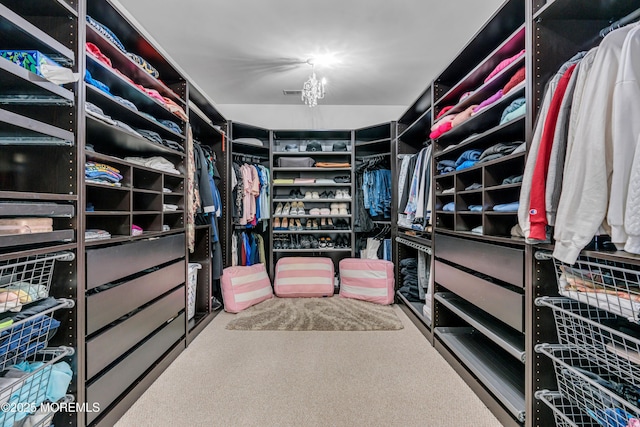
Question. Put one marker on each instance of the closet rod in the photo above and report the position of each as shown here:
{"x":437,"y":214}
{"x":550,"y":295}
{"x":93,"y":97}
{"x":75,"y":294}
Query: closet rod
{"x":632,"y":17}
{"x":249,"y":157}
{"x":373,"y":156}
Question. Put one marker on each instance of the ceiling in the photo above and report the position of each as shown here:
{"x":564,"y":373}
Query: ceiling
{"x":249,"y":51}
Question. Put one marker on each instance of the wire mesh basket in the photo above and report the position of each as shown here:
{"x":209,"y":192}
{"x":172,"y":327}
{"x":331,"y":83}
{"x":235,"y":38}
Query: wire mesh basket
{"x":609,"y":285}
{"x":599,"y":335}
{"x":28,"y":279}
{"x":564,"y":413}
{"x":26,"y":386}
{"x":27,"y":332}
{"x":598,"y":394}
{"x":44,"y":417}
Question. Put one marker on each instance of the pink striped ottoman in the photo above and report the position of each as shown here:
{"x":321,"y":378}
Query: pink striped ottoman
{"x":303,"y":277}
{"x":243,"y":287}
{"x":367,"y":279}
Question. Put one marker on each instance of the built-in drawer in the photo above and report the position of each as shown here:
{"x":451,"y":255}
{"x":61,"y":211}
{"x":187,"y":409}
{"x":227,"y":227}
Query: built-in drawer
{"x":109,"y":264}
{"x":501,"y":262}
{"x":500,"y":302}
{"x":114,"y":342}
{"x":111,"y":385}
{"x":107,"y":306}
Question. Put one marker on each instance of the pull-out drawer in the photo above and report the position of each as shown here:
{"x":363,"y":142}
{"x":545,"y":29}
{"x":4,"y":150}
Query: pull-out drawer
{"x":107,"y":306}
{"x":501,"y":262}
{"x":109,"y":264}
{"x":111,"y":385}
{"x":111,"y":344}
{"x":502,"y":303}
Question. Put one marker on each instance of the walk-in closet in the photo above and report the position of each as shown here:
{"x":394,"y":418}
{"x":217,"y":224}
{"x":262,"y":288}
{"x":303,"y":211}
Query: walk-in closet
{"x":496,"y":212}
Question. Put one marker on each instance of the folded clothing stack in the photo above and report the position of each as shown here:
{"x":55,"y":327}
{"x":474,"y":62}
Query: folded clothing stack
{"x":102,"y":174}
{"x":96,"y":234}
{"x":409,"y":274}
{"x":155,"y":162}
{"x":10,"y":226}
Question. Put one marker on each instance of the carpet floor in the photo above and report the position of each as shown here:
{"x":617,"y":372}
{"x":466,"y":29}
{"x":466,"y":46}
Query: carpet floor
{"x":316,"y":314}
{"x":314,"y":378}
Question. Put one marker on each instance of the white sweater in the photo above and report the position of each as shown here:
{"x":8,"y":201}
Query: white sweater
{"x":625,"y":130}
{"x":586,"y":182}
{"x":632,"y":215}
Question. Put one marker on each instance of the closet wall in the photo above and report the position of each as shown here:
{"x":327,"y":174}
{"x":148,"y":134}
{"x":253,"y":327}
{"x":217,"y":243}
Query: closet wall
{"x":113,"y":246}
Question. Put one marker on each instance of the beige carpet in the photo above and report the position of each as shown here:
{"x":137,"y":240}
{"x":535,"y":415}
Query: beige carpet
{"x":278,"y":378}
{"x":316,"y":314}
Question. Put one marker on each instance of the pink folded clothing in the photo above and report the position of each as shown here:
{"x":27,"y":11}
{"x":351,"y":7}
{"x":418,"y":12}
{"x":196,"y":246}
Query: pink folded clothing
{"x":304,"y":180}
{"x":175,"y":108}
{"x":462,"y":116}
{"x":504,"y":64}
{"x":443,"y":112}
{"x":443,"y":128}
{"x":95,"y":51}
{"x":493,"y":98}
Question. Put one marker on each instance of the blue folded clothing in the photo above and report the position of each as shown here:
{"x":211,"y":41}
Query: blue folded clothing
{"x":468,"y":155}
{"x":446,"y":166}
{"x":171,"y":125}
{"x":475,"y":208}
{"x":96,"y":83}
{"x":466,"y":164}
{"x":507,"y":207}
{"x":449,"y":207}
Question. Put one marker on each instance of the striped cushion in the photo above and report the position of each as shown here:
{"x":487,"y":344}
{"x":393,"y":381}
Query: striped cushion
{"x":243,"y":287}
{"x":304,"y":277}
{"x":367,"y":279}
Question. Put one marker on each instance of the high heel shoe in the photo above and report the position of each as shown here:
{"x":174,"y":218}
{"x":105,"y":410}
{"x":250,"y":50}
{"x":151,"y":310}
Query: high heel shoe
{"x":287,"y":208}
{"x":276,"y":224}
{"x":292,"y":224}
{"x":330,"y":225}
{"x":278,"y":209}
{"x":323,"y":224}
{"x":314,"y":226}
{"x":298,"y":225}
{"x":285,"y":224}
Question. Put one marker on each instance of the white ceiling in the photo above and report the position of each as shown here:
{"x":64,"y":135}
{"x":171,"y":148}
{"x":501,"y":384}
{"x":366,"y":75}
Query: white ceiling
{"x":248,"y":51}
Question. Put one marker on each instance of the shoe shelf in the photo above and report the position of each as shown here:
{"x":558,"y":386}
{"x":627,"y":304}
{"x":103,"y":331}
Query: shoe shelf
{"x":313,"y":250}
{"x":313,"y":169}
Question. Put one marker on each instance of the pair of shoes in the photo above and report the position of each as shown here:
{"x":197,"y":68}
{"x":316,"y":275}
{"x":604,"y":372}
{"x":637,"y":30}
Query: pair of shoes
{"x":305,"y":242}
{"x":314,"y":211}
{"x":326,"y":224}
{"x":276,"y":224}
{"x":342,"y":242}
{"x":314,"y":242}
{"x":341,"y":224}
{"x":307,"y":195}
{"x":331,"y":195}
{"x":278,"y":209}
{"x":326,"y":242}
{"x":297,"y":208}
{"x":295,"y":225}
{"x":323,"y":195}
{"x":295,"y":194}
{"x":286,"y":208}
{"x":343,"y":195}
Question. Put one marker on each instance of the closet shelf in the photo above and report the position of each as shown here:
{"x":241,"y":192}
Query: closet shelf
{"x":314,"y":169}
{"x":312,"y":153}
{"x":313,"y":250}
{"x":107,"y":213}
{"x":16,"y":195}
{"x":262,"y":150}
{"x":129,"y":68}
{"x":107,"y":186}
{"x":335,"y":184}
{"x":498,"y":239}
{"x":125,"y":140}
{"x":122,"y":239}
{"x":513,"y":129}
{"x":493,"y":213}
{"x":468,"y":213}
{"x":504,"y":187}
{"x":487,"y":118}
{"x":37,"y":209}
{"x":20,"y":34}
{"x":416,"y":309}
{"x":481,"y":165}
{"x":180,"y":211}
{"x":402,"y":228}
{"x":374,"y":142}
{"x":7,"y":241}
{"x":124,"y":113}
{"x":567,"y":10}
{"x":119,"y":86}
{"x":305,"y":231}
{"x":18,"y":82}
{"x":479,"y":190}
{"x":507,"y":338}
{"x":475,"y":78}
{"x":47,"y":8}
{"x":17,"y":126}
{"x":418,"y":243}
{"x":281,"y":200}
{"x":419,"y":129}
{"x":149,"y":212}
{"x":100,"y":157}
{"x":312,"y":216}
{"x":493,"y":368}
{"x":144,"y":191}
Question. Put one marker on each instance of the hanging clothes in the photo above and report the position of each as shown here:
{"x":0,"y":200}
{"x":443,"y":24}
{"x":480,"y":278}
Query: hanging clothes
{"x":415,"y":194}
{"x":251,"y":191}
{"x":376,"y":187}
{"x":248,"y":249}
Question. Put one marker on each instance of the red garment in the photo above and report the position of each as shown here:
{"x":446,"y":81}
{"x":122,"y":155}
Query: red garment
{"x":243,"y":251}
{"x":504,"y":64}
{"x":444,"y":111}
{"x":537,"y":206}
{"x":95,"y":51}
{"x":517,"y":78}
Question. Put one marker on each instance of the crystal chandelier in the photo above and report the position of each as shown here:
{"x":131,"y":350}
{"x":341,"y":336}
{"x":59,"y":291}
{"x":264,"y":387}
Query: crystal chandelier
{"x":313,"y":89}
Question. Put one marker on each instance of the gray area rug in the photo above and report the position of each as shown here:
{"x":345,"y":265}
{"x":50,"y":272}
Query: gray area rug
{"x":316,"y":314}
